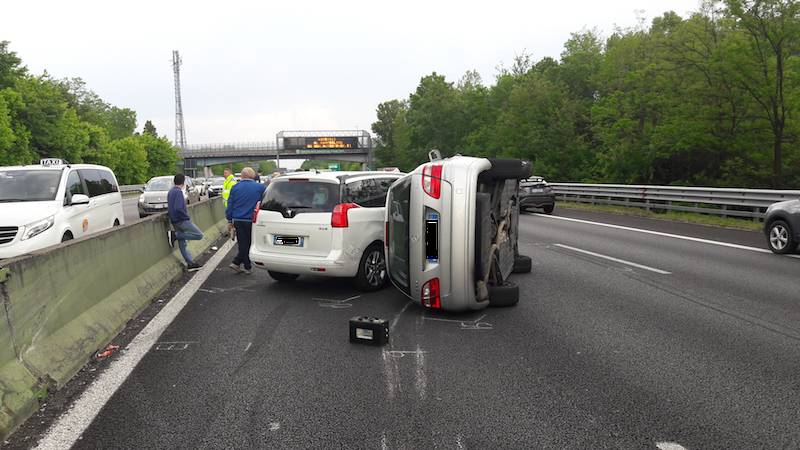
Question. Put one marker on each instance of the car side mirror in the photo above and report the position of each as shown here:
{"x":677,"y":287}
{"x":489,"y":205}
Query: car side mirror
{"x":79,"y":199}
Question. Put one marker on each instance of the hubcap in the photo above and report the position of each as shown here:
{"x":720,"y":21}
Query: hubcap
{"x":779,"y":237}
{"x":375,"y":268}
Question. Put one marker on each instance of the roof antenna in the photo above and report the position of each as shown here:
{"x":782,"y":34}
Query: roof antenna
{"x":434,"y":155}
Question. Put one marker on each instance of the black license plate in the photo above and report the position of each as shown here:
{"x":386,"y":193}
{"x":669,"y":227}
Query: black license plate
{"x":288,"y":240}
{"x":432,"y":237}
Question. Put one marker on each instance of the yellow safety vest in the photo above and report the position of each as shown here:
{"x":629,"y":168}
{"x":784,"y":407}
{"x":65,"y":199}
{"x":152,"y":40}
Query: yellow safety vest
{"x":226,"y":188}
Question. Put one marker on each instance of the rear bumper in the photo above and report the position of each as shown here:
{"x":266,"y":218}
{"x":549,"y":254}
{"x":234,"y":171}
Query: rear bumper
{"x":334,"y":265}
{"x":537,"y":200}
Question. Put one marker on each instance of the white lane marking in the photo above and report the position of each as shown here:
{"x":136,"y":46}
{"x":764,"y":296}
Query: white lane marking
{"x":274,"y":426}
{"x":669,"y":446}
{"x":69,"y":427}
{"x":384,"y":442}
{"x":458,"y":442}
{"x":421,"y":381}
{"x":249,"y":344}
{"x":669,"y":235}
{"x":611,"y":258}
{"x":397,"y":317}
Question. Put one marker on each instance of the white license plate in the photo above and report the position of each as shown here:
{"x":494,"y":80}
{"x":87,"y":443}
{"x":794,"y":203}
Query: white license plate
{"x":293,"y":241}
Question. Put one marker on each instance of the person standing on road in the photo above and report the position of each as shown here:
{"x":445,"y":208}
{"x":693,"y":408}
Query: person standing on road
{"x":244,"y":198}
{"x":182,"y":227}
{"x":227,"y":185}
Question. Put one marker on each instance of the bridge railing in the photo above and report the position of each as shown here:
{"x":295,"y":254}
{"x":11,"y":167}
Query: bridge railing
{"x":748,"y":203}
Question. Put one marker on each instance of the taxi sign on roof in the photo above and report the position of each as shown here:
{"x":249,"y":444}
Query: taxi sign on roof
{"x":52,"y":162}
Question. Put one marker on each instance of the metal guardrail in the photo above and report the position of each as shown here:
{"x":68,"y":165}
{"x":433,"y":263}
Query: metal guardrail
{"x":130,"y":189}
{"x":750,"y":203}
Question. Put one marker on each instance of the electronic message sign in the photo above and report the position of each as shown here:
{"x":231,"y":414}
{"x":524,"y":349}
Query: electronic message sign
{"x":320,"y":143}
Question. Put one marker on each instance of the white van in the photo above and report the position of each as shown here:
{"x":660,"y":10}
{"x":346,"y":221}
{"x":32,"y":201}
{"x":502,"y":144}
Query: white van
{"x":43,"y":205}
{"x":324,"y":223}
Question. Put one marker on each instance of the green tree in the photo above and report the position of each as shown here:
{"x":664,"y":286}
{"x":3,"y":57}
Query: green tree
{"x":162,"y":157}
{"x":150,"y":129}
{"x":11,"y":68}
{"x":129,"y":160}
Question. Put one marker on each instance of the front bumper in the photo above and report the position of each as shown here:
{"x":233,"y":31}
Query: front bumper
{"x":146,"y":209}
{"x":334,"y":265}
{"x":18,"y":247}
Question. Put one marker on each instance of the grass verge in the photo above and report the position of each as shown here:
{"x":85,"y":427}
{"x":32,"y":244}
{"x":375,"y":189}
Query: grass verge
{"x":675,"y":216}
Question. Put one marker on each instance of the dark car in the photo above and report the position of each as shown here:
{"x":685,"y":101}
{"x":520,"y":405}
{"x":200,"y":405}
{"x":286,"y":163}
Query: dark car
{"x":782,"y":226}
{"x":534,"y":192}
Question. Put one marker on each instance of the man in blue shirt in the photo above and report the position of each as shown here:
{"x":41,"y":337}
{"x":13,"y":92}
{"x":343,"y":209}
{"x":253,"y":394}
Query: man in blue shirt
{"x":242,"y":202}
{"x":184,"y":229}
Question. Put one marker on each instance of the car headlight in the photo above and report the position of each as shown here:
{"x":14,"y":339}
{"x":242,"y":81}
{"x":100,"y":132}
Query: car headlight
{"x":38,"y":227}
{"x":141,"y":198}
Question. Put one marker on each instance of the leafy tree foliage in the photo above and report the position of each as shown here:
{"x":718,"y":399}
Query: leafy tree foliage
{"x":42,"y":117}
{"x":711,"y":99}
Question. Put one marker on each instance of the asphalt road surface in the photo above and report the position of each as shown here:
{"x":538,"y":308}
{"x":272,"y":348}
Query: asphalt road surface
{"x":622,"y":339}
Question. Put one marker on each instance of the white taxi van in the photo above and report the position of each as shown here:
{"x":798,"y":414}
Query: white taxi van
{"x":52,"y":202}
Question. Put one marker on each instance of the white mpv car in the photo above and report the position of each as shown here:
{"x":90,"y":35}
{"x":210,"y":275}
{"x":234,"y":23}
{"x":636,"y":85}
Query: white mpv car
{"x":43,"y":205}
{"x":326,"y":223}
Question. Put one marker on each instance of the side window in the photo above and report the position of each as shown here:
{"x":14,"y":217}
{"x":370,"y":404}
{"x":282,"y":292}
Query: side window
{"x":383,"y":186}
{"x":94,"y":182}
{"x":74,"y":186}
{"x":368,"y":193}
{"x":108,"y":181}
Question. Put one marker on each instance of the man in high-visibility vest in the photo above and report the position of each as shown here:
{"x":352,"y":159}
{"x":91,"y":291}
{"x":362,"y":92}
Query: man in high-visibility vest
{"x":227,"y":185}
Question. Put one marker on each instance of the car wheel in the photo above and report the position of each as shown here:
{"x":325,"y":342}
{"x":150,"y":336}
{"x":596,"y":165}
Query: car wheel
{"x":66,"y":237}
{"x":116,"y":222}
{"x":522,"y":264}
{"x":506,"y":294}
{"x":549,"y":209}
{"x":142,"y":216}
{"x":372,"y":274}
{"x":780,"y":238}
{"x":282,"y":277}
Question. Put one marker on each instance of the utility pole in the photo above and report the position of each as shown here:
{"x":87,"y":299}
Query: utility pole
{"x":180,"y":131}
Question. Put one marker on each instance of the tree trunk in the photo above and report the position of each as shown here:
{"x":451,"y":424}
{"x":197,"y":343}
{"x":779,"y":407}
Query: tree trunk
{"x":777,"y":173}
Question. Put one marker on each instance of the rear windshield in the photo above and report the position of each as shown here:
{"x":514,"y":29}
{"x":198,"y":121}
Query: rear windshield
{"x":399,"y":213}
{"x":29,"y":185}
{"x":292,"y":197}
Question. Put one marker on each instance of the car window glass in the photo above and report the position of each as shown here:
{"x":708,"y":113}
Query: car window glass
{"x":108,"y":181}
{"x":74,"y":185}
{"x":300,"y":197}
{"x":366,"y":193}
{"x":94,"y":182}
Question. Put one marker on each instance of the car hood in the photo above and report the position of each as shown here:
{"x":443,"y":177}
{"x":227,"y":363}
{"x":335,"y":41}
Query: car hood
{"x":155,"y":197}
{"x":792,"y":206}
{"x":23,"y":213}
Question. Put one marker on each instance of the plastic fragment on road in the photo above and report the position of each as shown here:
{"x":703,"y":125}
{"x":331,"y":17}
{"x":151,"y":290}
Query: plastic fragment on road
{"x":109,"y":350}
{"x":369,"y":331}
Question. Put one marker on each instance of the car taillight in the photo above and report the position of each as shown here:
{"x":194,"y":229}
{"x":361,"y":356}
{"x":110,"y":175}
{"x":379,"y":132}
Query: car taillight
{"x":255,"y":212}
{"x":339,"y":216}
{"x":430,"y":294}
{"x":432,"y":180}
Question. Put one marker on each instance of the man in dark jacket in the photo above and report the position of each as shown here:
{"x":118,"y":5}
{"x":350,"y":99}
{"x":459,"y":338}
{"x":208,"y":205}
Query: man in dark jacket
{"x":244,"y":198}
{"x":184,"y":229}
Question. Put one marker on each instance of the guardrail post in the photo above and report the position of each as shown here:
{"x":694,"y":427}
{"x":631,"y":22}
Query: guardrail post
{"x":724,"y":208}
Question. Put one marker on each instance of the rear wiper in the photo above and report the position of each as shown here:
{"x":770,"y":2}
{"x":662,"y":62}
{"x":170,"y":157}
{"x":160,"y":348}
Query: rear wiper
{"x":3,"y":200}
{"x":297,"y":207}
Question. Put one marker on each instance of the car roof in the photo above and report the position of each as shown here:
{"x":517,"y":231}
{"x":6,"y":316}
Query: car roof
{"x":336,"y":176}
{"x":54,"y":167}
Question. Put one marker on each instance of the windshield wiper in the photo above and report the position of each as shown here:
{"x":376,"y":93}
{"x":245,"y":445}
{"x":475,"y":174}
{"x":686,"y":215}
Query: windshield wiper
{"x":297,"y":207}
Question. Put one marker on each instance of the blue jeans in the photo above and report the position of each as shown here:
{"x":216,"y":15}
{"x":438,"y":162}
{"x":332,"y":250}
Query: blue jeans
{"x":186,"y":231}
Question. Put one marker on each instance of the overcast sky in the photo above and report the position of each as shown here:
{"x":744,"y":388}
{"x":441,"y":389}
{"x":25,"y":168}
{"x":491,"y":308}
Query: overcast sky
{"x":251,"y":69}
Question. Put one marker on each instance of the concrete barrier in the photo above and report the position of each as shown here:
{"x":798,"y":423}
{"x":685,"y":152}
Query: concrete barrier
{"x":64,"y":303}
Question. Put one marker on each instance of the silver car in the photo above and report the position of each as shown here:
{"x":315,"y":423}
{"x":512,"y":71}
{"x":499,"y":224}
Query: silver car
{"x":451,"y":230}
{"x":154,"y":197}
{"x":782,"y":226}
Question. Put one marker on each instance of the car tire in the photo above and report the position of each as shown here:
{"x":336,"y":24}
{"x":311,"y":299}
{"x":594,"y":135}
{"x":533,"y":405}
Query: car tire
{"x":66,"y":237}
{"x":549,"y":209}
{"x":780,"y":238}
{"x":506,"y":294}
{"x":372,"y":274}
{"x":507,"y":169}
{"x":282,"y":277}
{"x":522,"y":264}
{"x":116,"y":222}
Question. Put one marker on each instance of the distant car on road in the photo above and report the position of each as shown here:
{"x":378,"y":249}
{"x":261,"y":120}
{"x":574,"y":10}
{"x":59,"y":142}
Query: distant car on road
{"x":154,"y":198}
{"x":534,"y":192}
{"x":451,"y":228}
{"x":323,"y":223}
{"x":52,"y":202}
{"x":215,"y":186}
{"x":782,"y":226}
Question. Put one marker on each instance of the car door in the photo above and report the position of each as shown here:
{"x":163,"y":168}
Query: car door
{"x":97,"y":215}
{"x":75,"y":214}
{"x":370,"y":194}
{"x":112,"y":199}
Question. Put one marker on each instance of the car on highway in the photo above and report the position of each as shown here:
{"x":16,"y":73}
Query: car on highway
{"x":451,"y":232}
{"x":52,"y":202}
{"x":534,"y":192}
{"x":782,"y":226}
{"x":215,"y":186}
{"x":154,"y":196}
{"x":323,"y":223}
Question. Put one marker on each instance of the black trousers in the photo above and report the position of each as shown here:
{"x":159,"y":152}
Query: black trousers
{"x":244,"y":237}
